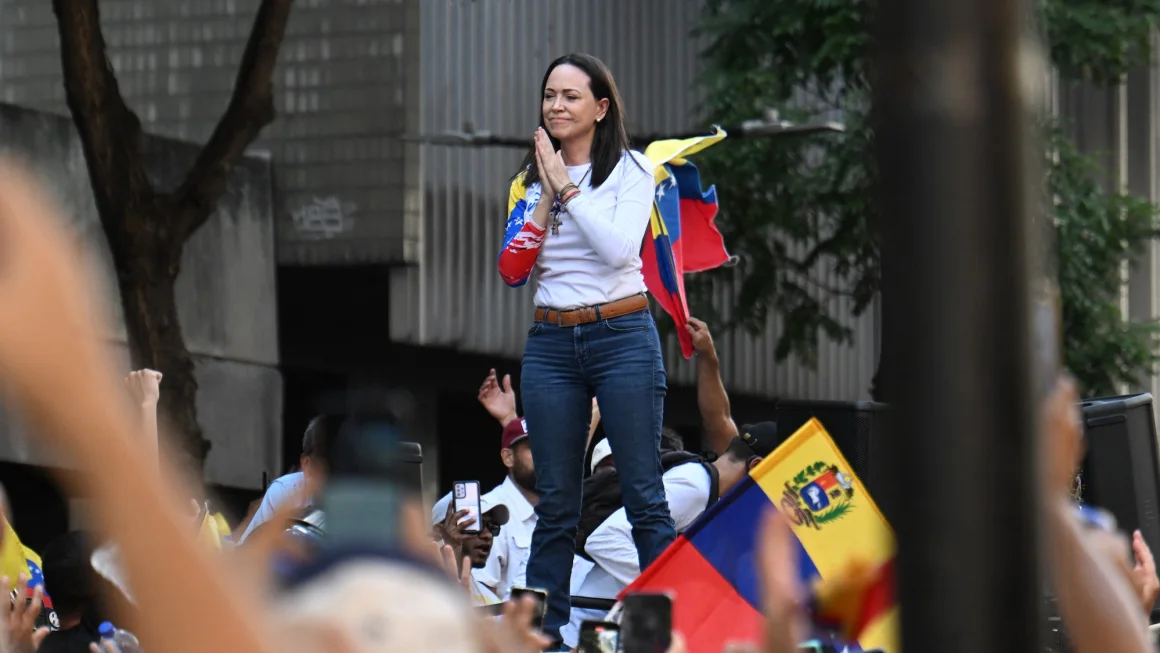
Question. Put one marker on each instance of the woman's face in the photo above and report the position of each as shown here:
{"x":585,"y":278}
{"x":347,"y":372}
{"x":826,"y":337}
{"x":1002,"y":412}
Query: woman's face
{"x":570,"y":110}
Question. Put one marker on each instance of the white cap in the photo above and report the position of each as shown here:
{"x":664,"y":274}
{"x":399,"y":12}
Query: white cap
{"x":601,"y":451}
{"x":501,"y":516}
{"x":439,"y":512}
{"x":498,"y":511}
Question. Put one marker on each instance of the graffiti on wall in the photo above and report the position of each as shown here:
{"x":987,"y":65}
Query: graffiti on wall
{"x":323,"y":217}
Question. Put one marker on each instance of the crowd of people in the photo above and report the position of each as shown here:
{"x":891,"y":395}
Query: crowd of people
{"x":596,"y":486}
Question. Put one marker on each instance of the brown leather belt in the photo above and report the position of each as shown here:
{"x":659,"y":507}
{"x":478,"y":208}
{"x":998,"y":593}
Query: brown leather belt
{"x":590,"y":314}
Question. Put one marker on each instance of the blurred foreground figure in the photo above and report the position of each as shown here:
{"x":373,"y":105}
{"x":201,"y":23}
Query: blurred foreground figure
{"x":381,"y":606}
{"x":59,"y":372}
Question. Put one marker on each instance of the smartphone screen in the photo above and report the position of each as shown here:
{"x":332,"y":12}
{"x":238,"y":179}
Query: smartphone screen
{"x":647,"y":624}
{"x":541,"y":597}
{"x":599,"y":637}
{"x":467,"y":498}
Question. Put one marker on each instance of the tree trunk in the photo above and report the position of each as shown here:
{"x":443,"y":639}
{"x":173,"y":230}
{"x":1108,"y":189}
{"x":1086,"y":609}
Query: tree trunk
{"x":146,"y":228}
{"x":149,"y":306}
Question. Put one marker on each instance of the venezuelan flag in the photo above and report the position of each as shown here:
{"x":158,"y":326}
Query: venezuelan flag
{"x":17,"y":559}
{"x":681,"y":236}
{"x":711,"y":572}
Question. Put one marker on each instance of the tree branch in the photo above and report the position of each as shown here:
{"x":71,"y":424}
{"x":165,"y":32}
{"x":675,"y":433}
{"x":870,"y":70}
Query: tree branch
{"x":251,"y":108}
{"x":110,"y":132}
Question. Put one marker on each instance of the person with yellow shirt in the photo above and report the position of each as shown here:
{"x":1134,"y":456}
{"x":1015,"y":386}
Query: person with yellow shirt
{"x":17,"y":563}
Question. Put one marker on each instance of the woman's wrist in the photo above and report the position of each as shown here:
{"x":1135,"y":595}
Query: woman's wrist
{"x":569,"y":194}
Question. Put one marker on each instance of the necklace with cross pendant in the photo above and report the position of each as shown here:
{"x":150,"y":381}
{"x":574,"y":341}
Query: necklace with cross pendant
{"x":556,"y":222}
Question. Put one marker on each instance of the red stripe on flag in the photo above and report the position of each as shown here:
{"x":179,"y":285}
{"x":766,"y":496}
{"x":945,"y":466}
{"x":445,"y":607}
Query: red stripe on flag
{"x":671,"y":302}
{"x":879,"y":598}
{"x":701,"y":243}
{"x":707,"y":610}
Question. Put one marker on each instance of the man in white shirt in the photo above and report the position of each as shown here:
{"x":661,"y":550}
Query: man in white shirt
{"x":299,"y":486}
{"x":689,"y":489}
{"x":506,"y":566}
{"x":476,"y":547}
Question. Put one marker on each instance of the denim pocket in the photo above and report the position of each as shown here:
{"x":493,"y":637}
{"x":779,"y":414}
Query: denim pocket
{"x":535,"y":328}
{"x":638,"y":321}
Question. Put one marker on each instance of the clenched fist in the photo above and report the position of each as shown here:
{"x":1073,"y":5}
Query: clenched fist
{"x":144,"y":387}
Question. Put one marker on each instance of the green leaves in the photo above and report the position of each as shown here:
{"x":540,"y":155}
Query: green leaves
{"x":791,"y":207}
{"x":801,"y":214}
{"x":1095,"y":232}
{"x":1099,"y":40}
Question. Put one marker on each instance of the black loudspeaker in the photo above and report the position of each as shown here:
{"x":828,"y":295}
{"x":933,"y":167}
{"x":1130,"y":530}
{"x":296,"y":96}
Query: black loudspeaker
{"x":411,"y":467}
{"x":857,"y":427}
{"x":1121,"y":467}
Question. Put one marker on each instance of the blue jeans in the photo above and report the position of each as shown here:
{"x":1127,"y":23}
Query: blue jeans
{"x":619,"y":362}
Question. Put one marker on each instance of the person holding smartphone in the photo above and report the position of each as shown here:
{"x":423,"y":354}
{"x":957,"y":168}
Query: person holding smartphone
{"x":578,"y":208}
{"x":507,"y":563}
{"x":474,"y":546}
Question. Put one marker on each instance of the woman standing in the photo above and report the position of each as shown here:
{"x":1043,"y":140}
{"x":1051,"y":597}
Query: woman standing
{"x":577,"y":215}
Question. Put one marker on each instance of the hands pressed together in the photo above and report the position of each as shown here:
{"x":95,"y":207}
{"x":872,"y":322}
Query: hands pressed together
{"x":553,"y":172}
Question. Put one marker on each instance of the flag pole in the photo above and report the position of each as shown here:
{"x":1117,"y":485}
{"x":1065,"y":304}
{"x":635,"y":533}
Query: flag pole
{"x":956,"y":153}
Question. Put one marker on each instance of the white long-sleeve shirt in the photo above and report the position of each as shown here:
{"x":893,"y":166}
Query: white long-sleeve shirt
{"x":615,"y":563}
{"x":595,"y":257}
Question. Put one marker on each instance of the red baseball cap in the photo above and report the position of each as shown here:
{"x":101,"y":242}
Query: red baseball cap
{"x":516,"y":430}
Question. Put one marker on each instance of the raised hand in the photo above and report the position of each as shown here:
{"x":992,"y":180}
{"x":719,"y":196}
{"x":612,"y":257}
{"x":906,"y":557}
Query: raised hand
{"x":451,"y":530}
{"x":20,"y":626}
{"x":459,"y":571}
{"x":500,"y":402}
{"x":702,"y":339}
{"x":1144,"y":577}
{"x":1061,"y":437}
{"x":514,"y":633}
{"x":144,"y":387}
{"x":58,"y":367}
{"x":781,"y":587}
